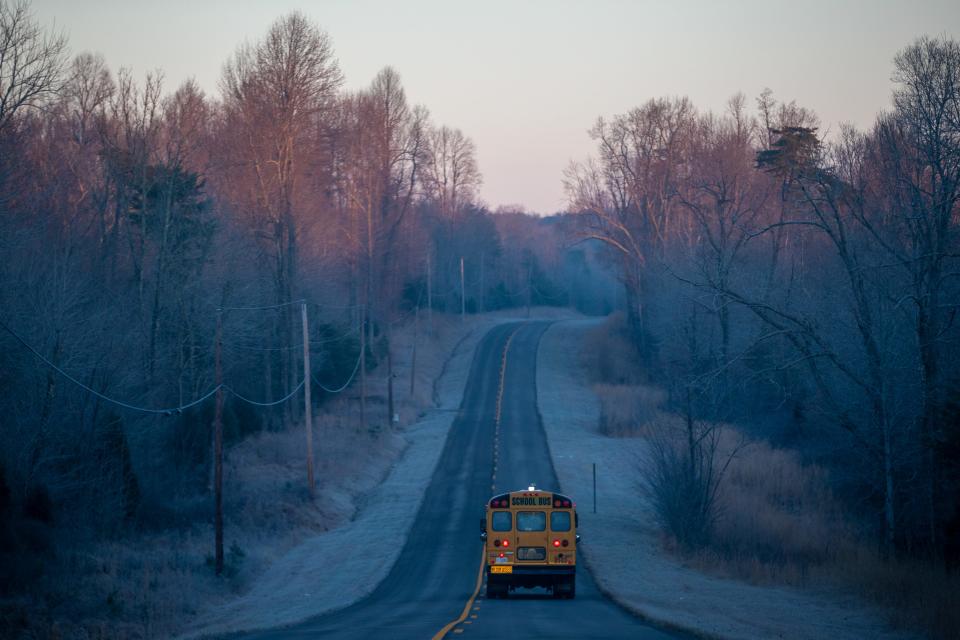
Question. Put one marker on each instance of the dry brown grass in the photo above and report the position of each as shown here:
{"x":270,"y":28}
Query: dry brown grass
{"x":779,"y":523}
{"x":608,"y":356}
{"x":628,"y":410}
{"x":777,"y":519}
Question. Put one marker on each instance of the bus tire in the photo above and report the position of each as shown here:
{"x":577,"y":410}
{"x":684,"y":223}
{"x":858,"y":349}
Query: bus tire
{"x":496,"y":590}
{"x":565,"y":589}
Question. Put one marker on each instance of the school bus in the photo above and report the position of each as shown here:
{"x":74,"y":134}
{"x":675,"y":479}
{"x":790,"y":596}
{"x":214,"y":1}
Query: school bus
{"x":530,"y":540}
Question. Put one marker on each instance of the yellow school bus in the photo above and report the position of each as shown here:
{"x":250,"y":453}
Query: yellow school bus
{"x":530,"y":539}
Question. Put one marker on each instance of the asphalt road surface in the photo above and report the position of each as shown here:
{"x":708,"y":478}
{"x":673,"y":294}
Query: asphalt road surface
{"x":435,"y":578}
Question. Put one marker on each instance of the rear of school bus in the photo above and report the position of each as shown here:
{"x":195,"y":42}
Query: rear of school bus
{"x":531,"y":541}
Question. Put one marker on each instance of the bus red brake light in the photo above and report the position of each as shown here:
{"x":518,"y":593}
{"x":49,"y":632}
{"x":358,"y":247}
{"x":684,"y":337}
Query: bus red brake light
{"x":566,"y":543}
{"x":556,"y":543}
{"x":506,"y":543}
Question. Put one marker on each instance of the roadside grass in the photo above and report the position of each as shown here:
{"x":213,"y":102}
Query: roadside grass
{"x":778,"y":523}
{"x":777,"y":520}
{"x":628,"y":410}
{"x":608,"y":356}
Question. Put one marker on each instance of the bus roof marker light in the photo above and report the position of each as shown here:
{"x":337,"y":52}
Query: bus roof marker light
{"x":531,"y":488}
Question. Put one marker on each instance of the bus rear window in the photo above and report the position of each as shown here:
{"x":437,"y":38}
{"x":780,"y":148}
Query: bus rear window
{"x":560,"y":521}
{"x":502,"y":521}
{"x":531,"y":521}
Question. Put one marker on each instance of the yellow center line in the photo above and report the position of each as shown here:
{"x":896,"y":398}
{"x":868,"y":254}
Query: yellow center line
{"x":466,"y":609}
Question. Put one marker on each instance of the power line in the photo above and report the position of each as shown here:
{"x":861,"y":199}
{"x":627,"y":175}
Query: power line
{"x":299,"y":345}
{"x":263,"y":307}
{"x":126,"y":405}
{"x":347,"y":307}
{"x":119,"y":403}
{"x":268,"y":404}
{"x":345,"y":384}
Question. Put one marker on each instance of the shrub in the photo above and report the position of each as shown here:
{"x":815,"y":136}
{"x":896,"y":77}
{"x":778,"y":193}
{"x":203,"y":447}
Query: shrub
{"x":627,"y":410}
{"x":682,"y":478}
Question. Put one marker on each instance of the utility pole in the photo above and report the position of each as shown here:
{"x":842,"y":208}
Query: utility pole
{"x":363,"y":368}
{"x":529,"y":288}
{"x":389,"y":376}
{"x":594,"y":487}
{"x":308,"y":409}
{"x":463,"y":294}
{"x":482,"y":290}
{"x":413,"y":358}
{"x":218,"y":451}
{"x":429,"y":292}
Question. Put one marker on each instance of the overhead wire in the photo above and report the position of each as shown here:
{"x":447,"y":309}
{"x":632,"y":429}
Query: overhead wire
{"x":268,"y":404}
{"x":356,"y":367}
{"x":104,"y":397}
{"x":133,"y":407}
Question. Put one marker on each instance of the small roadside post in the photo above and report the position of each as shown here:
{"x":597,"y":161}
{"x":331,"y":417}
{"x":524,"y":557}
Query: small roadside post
{"x":594,"y":487}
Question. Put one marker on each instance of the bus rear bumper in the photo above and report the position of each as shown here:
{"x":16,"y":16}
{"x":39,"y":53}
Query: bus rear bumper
{"x":533,"y":576}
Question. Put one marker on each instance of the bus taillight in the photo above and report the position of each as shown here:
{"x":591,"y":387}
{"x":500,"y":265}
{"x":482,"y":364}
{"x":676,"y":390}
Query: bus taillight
{"x":506,"y":543}
{"x":566,"y":543}
{"x":556,"y":543}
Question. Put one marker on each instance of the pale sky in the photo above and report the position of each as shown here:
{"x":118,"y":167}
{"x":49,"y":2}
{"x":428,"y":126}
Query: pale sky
{"x":527,"y":79}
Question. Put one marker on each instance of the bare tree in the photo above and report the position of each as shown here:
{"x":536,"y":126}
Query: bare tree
{"x":451,"y":174}
{"x":628,"y":195}
{"x":275,"y":94}
{"x":31,"y":61}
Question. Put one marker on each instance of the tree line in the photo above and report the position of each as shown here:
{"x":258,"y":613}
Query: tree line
{"x":802,"y":286}
{"x":131,"y":217}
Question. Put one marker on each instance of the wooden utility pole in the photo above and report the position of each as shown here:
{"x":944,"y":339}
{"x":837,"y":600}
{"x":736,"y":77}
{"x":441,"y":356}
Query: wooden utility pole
{"x":529,"y":288}
{"x":482,"y":306}
{"x":218,"y":451}
{"x":308,"y":409}
{"x":429,"y":292}
{"x":413,"y":358}
{"x":363,"y":368}
{"x":389,"y":376}
{"x":463,"y":294}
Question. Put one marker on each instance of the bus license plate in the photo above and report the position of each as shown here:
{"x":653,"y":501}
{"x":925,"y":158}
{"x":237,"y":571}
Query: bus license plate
{"x":501,"y":569}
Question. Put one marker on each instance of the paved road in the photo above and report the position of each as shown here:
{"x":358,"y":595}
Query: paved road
{"x":436,"y":573}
